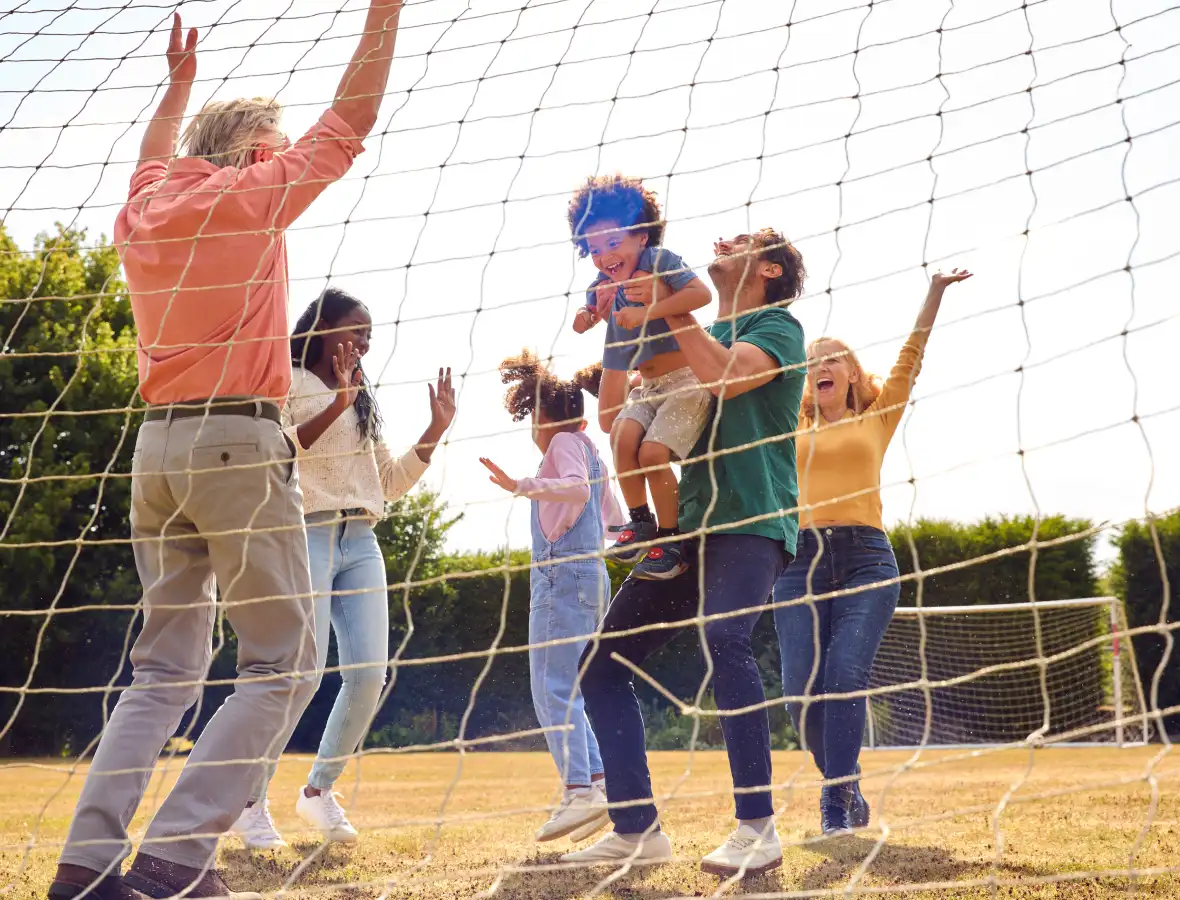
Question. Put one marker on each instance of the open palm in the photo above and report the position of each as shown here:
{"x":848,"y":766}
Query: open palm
{"x":182,"y":57}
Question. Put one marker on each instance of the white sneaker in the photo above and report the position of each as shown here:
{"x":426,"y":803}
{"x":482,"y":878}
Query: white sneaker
{"x":577,"y":810}
{"x":325,"y":814}
{"x":256,"y":829}
{"x":613,"y":848}
{"x":594,"y":826}
{"x":745,"y":851}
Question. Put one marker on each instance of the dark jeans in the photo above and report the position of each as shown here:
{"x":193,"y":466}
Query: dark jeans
{"x":846,"y":630}
{"x":739,"y":573}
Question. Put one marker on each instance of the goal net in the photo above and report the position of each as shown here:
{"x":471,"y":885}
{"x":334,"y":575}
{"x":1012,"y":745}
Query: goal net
{"x":1049,"y":672}
{"x":1034,"y":142}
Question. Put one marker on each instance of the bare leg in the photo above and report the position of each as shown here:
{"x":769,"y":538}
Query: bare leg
{"x":625,"y":438}
{"x":661,"y":482}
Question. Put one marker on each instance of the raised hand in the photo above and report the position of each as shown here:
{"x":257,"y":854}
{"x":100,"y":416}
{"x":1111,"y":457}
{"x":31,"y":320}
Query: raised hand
{"x":182,"y":58}
{"x":442,"y":403}
{"x":498,"y":477}
{"x":349,"y":378}
{"x":939,"y":281}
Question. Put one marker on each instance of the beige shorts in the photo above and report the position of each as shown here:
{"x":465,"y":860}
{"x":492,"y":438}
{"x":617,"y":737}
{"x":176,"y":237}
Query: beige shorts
{"x":673,"y":410}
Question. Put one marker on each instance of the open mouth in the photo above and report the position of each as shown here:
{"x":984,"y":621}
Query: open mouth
{"x":614,"y":269}
{"x":824,"y":384}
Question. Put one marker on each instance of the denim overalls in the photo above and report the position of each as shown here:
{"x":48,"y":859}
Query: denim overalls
{"x":567,"y":600}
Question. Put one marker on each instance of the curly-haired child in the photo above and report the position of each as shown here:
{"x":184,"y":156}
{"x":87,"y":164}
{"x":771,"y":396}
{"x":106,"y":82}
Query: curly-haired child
{"x":572,"y":505}
{"x":616,"y":221}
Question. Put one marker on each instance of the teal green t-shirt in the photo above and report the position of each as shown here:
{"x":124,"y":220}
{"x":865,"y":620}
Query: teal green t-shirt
{"x":760,"y":480}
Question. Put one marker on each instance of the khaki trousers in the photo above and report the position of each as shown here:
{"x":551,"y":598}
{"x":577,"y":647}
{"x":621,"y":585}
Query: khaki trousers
{"x":215,"y":504}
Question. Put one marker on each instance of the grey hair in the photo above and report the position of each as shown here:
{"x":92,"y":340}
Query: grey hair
{"x":225,"y":131}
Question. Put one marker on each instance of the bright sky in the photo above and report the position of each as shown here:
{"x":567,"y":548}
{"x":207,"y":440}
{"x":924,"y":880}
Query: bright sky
{"x":495,"y":113}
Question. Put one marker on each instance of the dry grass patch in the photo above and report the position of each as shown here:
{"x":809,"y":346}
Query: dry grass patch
{"x":1069,"y":816}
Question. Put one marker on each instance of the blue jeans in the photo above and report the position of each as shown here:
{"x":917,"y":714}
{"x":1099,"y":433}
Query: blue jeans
{"x":565,"y":599}
{"x":845,"y":630}
{"x":740,"y":571}
{"x":348,"y":582}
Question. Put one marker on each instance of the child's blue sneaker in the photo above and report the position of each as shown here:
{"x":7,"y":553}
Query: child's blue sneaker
{"x":631,"y":534}
{"x":662,"y":563}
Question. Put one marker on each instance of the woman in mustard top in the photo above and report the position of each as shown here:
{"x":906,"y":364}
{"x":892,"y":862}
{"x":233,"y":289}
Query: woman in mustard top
{"x":846,"y":421}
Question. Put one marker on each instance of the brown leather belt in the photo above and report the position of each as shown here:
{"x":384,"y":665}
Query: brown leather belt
{"x":219,"y":406}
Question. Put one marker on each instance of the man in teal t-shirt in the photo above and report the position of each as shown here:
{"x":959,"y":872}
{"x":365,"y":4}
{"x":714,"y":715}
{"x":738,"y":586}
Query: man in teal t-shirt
{"x":737,"y":513}
{"x":757,"y":487}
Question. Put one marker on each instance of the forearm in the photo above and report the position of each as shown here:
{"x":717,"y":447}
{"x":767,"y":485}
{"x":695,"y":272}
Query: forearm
{"x":426,"y":444}
{"x":358,"y":98}
{"x":708,"y":359}
{"x":928,"y":314}
{"x":691,"y":297}
{"x":159,"y":141}
{"x":313,"y":429}
{"x":570,"y":489}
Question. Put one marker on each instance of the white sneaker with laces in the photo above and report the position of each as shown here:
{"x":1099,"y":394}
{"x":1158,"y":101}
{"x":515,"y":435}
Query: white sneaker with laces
{"x":614,"y":848}
{"x":594,"y":826}
{"x":745,"y":851}
{"x":324,"y":813}
{"x":577,"y":810}
{"x":256,"y":829}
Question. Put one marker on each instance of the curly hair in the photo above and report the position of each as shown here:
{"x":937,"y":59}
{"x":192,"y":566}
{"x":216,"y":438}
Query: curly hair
{"x":614,"y":198}
{"x":861,"y":394}
{"x":532,"y":384}
{"x":307,"y":349}
{"x":775,"y":248}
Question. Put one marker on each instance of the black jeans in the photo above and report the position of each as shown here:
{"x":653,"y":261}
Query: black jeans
{"x":739,"y":574}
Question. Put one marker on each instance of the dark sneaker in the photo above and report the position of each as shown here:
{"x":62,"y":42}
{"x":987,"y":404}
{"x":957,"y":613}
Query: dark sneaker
{"x":73,"y":882}
{"x":160,"y":879}
{"x":624,"y":549}
{"x":860,"y":809}
{"x":662,"y":563}
{"x":835,"y":810}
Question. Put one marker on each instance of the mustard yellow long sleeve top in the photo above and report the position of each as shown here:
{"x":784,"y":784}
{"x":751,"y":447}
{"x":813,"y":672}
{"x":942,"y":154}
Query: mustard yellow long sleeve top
{"x":839,"y":462}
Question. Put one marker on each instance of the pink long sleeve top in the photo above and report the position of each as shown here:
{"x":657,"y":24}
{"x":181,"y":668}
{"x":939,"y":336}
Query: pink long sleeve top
{"x":562,"y":486}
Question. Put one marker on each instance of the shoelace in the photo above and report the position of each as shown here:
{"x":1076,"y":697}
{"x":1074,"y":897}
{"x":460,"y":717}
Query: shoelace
{"x":566,"y":800}
{"x":333,"y":809}
{"x":739,"y":841}
{"x":267,"y":818}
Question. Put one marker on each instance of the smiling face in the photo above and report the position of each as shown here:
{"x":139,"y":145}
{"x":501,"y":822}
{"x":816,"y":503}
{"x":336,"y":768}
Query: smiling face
{"x":614,"y":250}
{"x":831,"y":371}
{"x":737,"y":258}
{"x":356,"y":325}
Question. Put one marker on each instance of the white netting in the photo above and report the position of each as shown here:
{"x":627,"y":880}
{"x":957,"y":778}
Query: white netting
{"x":1034,"y":142}
{"x":984,"y":667}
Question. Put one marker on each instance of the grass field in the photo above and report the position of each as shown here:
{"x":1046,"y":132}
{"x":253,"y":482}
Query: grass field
{"x":939,"y":816}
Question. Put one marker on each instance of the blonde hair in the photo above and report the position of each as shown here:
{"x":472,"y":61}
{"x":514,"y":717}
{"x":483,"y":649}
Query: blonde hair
{"x":862,"y":393}
{"x":225,"y":132}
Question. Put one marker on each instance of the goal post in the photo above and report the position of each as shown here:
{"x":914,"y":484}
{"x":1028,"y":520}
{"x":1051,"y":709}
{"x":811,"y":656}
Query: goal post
{"x":975,"y":675}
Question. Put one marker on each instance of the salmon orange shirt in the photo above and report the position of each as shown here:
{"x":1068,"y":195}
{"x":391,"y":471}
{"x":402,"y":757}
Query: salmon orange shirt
{"x":205,"y":257}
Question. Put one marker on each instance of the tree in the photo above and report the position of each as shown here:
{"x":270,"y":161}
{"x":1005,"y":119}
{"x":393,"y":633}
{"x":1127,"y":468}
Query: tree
{"x":1138,"y":580}
{"x":1062,"y":571}
{"x":67,"y":366}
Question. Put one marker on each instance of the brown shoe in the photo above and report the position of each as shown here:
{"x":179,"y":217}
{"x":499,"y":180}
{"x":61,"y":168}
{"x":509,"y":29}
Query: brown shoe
{"x":160,"y":879}
{"x":73,"y":882}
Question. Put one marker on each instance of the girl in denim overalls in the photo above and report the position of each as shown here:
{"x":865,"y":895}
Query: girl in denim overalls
{"x":572,"y":505}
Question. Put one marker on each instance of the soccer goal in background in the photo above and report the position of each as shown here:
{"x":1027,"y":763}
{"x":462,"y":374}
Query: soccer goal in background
{"x":1056,"y":672}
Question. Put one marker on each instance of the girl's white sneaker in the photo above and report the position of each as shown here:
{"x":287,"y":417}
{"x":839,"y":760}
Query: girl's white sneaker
{"x":578,"y":810}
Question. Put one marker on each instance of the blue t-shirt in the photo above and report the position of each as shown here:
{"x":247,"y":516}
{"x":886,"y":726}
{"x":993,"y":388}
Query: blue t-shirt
{"x":624,"y":349}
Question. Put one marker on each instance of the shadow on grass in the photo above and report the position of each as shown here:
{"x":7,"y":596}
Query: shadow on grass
{"x":900,"y":864}
{"x":647,"y":882}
